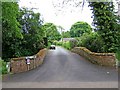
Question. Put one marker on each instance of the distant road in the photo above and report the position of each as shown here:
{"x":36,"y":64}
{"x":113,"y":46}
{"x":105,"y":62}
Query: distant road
{"x":64,"y":69}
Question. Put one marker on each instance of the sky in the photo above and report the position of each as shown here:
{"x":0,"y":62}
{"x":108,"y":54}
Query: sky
{"x":59,"y":13}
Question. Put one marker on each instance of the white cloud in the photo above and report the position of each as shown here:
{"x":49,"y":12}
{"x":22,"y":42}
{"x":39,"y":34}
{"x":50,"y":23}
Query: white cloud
{"x":64,"y":17}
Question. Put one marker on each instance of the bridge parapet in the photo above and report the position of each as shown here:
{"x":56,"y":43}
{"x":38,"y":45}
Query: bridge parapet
{"x":23,"y":64}
{"x":104,"y":59}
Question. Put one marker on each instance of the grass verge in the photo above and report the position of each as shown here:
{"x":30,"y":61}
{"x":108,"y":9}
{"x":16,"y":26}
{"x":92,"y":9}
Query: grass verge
{"x":3,"y":69}
{"x":118,"y":55}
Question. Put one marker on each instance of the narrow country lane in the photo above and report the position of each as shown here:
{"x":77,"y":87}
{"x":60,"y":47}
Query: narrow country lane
{"x":64,"y":69}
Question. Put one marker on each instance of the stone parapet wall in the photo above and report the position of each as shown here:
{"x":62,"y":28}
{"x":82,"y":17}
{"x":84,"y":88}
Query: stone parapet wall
{"x":104,"y":59}
{"x":18,"y":65}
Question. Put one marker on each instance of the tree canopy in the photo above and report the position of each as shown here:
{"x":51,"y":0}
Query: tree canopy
{"x":31,"y":28}
{"x":106,"y":25}
{"x":22,"y":31}
{"x":10,"y":28}
{"x":79,"y":28}
{"x":51,"y":32}
{"x":66,"y":34}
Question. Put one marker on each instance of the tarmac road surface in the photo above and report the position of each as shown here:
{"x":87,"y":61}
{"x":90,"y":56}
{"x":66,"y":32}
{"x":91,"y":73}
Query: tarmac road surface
{"x":64,"y":69}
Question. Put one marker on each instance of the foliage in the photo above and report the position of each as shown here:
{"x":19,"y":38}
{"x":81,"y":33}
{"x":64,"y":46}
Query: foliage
{"x":73,"y":43}
{"x":32,"y":32}
{"x":3,"y":68}
{"x":79,"y":28}
{"x":91,"y":41}
{"x":10,"y":28}
{"x":22,"y":31}
{"x":68,"y":44}
{"x":51,"y":32}
{"x":49,"y":44}
{"x":58,"y":43}
{"x":66,"y":34}
{"x":118,"y":55}
{"x":105,"y":22}
{"x":106,"y":25}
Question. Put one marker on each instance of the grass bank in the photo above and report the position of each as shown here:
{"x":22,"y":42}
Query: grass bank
{"x":118,"y":55}
{"x":3,"y":69}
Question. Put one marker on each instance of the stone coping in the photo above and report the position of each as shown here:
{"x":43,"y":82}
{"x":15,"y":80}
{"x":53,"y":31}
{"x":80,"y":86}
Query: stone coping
{"x":93,"y":53}
{"x":22,"y":64}
{"x":104,"y":59}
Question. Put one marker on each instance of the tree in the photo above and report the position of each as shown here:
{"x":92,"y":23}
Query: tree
{"x":61,"y":29}
{"x":66,"y":34}
{"x":106,"y":25}
{"x":105,"y":21}
{"x":32,"y":32}
{"x":10,"y":29}
{"x":51,"y":32}
{"x":79,"y":28}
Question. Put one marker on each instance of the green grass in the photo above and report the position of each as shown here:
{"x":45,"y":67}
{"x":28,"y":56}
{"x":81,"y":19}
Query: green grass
{"x":3,"y":68}
{"x":118,"y":55}
{"x":67,"y":45}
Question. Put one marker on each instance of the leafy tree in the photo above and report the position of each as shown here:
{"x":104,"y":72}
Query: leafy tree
{"x":106,"y":25}
{"x":91,"y":41}
{"x":105,"y":21}
{"x":51,"y":32}
{"x":66,"y":34}
{"x":10,"y":29}
{"x":79,"y":28}
{"x":32,"y":32}
{"x":61,"y":29}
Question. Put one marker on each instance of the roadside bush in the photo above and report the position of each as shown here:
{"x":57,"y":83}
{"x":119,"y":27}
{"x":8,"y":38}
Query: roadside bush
{"x":59,"y":43}
{"x":67,"y":45}
{"x":49,"y":44}
{"x":73,"y":43}
{"x":92,"y":42}
{"x":3,"y":68}
{"x":118,"y":55}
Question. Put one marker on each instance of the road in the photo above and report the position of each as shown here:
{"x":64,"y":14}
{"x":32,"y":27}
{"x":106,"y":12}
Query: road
{"x":64,"y":69}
